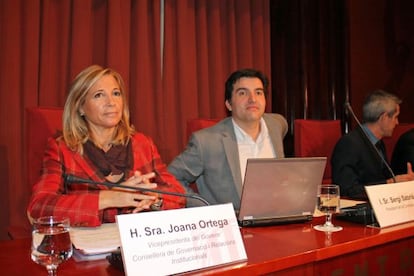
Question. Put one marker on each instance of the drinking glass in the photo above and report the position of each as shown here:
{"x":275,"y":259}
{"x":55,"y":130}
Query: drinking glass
{"x":51,"y":244}
{"x":328,"y":203}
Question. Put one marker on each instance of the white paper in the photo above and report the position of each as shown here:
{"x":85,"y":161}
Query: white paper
{"x":96,"y":240}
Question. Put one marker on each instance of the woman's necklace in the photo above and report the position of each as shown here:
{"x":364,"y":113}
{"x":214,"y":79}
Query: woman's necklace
{"x":104,"y":146}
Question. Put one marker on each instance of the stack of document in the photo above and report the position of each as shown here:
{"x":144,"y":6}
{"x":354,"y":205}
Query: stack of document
{"x":94,"y":243}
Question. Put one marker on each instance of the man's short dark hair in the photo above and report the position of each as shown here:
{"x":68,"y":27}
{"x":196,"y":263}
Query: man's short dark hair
{"x":244,"y":73}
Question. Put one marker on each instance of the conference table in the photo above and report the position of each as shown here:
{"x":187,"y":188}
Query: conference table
{"x":292,"y":249}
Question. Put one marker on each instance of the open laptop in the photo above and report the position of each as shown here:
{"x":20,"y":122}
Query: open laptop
{"x":280,"y":191}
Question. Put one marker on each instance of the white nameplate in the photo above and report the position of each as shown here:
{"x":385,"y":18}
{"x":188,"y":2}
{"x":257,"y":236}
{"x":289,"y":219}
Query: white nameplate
{"x":392,"y":203}
{"x":176,"y":241}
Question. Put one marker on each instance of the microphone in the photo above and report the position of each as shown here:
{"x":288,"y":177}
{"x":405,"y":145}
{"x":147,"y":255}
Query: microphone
{"x":72,"y":179}
{"x":349,"y":108}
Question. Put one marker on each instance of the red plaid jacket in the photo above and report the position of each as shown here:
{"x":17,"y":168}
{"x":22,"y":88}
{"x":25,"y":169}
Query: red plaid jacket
{"x":51,"y":196}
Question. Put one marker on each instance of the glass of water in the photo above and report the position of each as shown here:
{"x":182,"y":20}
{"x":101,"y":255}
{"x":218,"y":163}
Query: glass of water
{"x":328,"y":203}
{"x":51,"y":244}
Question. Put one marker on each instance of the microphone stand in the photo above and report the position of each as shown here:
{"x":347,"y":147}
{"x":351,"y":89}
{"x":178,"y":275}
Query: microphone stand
{"x":71,"y":179}
{"x":348,"y":106}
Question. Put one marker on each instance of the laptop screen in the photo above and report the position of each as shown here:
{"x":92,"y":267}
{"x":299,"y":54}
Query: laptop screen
{"x":281,"y":189}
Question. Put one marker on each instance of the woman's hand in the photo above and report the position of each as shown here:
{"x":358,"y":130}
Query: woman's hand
{"x":124,"y":197}
{"x":138,"y":180}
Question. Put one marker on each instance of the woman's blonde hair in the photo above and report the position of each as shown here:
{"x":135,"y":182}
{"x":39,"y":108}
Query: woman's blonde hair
{"x":75,"y":127}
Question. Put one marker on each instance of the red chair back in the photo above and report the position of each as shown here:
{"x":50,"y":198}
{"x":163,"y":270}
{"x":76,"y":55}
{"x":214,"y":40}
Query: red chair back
{"x":42,"y":123}
{"x":197,"y":124}
{"x":317,"y":138}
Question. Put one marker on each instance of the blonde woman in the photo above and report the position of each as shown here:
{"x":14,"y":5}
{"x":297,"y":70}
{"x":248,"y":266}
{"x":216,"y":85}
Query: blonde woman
{"x":99,"y":144}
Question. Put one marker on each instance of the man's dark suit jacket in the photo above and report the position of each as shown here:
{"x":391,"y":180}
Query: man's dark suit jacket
{"x":403,"y":152}
{"x":355,"y":163}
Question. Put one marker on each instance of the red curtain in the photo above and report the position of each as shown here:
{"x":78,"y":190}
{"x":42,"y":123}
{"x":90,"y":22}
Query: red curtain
{"x":43,"y":45}
{"x":205,"y":41}
{"x":172,"y":74}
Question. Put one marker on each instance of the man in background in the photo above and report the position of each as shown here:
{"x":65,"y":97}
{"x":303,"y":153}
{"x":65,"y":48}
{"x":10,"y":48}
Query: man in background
{"x":359,"y":157}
